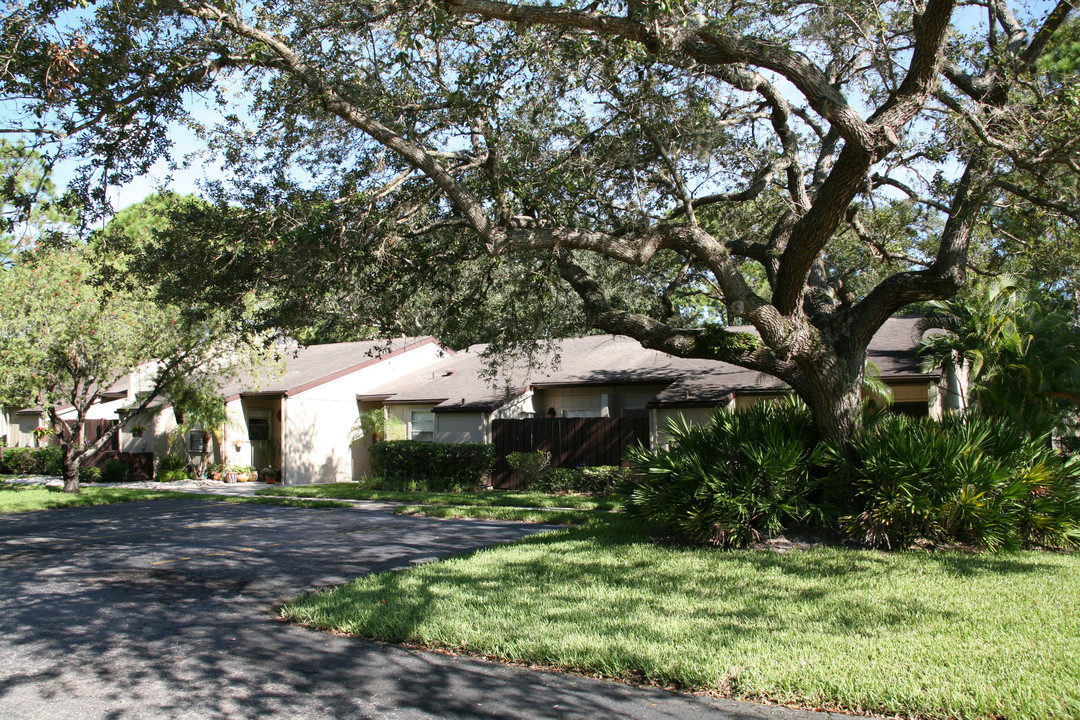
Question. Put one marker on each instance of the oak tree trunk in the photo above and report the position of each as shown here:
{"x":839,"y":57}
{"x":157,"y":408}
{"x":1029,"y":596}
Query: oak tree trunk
{"x":834,"y":396}
{"x":72,"y":457}
{"x":70,"y":466}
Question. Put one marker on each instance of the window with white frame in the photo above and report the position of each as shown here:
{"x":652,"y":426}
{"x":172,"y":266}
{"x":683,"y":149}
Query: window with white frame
{"x":422,"y":425}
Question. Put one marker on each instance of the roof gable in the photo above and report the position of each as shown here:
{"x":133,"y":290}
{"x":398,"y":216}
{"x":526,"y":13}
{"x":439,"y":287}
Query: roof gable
{"x":314,"y":365}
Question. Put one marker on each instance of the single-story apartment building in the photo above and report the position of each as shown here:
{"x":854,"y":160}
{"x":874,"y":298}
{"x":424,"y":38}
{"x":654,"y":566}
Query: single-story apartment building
{"x":298,"y":422}
{"x":458,"y":398}
{"x":302,"y":421}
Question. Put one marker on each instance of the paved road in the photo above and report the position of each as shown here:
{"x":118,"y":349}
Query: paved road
{"x":164,"y":610}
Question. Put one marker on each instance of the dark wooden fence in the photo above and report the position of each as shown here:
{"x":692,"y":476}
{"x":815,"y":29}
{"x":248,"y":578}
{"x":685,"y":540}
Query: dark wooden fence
{"x":140,"y":465}
{"x":93,"y":430}
{"x":571,"y":442}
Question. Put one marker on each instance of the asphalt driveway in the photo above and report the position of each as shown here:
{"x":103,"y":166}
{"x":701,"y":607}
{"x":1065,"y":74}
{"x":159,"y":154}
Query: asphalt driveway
{"x":165,"y":610}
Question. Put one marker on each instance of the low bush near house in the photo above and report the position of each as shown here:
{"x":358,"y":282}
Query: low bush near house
{"x":172,"y":467}
{"x":89,"y":474}
{"x":115,"y":471}
{"x":414,"y":465}
{"x":979,"y":481}
{"x":555,"y":480}
{"x":530,"y":467}
{"x":744,"y":475}
{"x":599,"y":480}
{"x":32,"y":461}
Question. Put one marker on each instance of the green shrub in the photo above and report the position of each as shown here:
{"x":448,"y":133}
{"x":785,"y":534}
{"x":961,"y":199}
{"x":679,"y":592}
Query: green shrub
{"x":980,"y":481}
{"x":32,"y":461}
{"x":115,"y":470}
{"x":437,"y":467}
{"x":530,"y":467}
{"x":746,"y":474}
{"x":601,"y":479}
{"x":969,"y":479}
{"x":89,"y":474}
{"x":171,"y":468}
{"x":556,"y":480}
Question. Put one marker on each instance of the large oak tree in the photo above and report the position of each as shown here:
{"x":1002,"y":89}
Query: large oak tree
{"x":812,"y":167}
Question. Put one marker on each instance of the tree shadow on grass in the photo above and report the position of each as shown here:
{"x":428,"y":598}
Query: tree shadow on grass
{"x":748,"y":597}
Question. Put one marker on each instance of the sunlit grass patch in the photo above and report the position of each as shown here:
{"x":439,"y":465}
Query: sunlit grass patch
{"x":929,"y":634}
{"x":28,"y":498}
{"x":531,"y":515}
{"x":489,"y":498}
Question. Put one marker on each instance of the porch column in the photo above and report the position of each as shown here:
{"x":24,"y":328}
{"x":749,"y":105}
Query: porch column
{"x":283,"y":461}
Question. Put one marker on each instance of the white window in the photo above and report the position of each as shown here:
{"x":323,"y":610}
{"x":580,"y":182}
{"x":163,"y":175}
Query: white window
{"x":422,"y":426}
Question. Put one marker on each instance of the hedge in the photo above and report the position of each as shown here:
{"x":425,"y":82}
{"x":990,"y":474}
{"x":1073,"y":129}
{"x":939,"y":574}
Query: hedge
{"x":415,"y":465}
{"x":31,"y":461}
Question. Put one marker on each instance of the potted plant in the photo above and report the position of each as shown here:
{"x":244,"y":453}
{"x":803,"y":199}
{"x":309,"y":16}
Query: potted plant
{"x":41,"y":432}
{"x":138,"y":430}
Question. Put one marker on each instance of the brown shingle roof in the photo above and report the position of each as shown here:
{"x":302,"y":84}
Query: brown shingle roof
{"x":459,"y":383}
{"x":308,"y":367}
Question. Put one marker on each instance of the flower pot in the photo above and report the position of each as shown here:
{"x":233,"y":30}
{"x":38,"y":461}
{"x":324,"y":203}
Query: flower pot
{"x":231,"y":477}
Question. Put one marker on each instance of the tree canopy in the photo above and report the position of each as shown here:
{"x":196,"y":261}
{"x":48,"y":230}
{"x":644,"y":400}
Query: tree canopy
{"x":674,"y":167}
{"x":67,"y":337}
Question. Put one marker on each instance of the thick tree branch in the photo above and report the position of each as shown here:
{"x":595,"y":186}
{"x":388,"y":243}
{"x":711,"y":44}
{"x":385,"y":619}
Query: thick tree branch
{"x":1068,"y":211}
{"x":692,"y":343}
{"x":814,"y":230}
{"x":947,"y":273}
{"x":339,"y":105}
{"x":702,"y":43}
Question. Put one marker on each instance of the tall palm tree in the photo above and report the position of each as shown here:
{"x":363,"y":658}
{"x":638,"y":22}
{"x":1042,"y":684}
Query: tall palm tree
{"x":966,"y":337}
{"x":1022,"y":357}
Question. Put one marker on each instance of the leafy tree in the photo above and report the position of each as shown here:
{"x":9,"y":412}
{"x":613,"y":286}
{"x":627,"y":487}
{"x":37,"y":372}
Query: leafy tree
{"x":812,"y":168}
{"x":65,"y":339}
{"x":27,"y":197}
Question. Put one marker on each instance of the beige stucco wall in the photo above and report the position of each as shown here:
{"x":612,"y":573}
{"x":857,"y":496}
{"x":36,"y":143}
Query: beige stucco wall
{"x":522,"y":406}
{"x":160,"y":437}
{"x":595,"y":401}
{"x":660,"y":417}
{"x":403,"y":414}
{"x":316,"y":440}
{"x":317,"y":422}
{"x":21,"y":430}
{"x":461,"y":428}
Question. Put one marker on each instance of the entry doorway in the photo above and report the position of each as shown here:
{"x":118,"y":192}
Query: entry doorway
{"x":258,"y":427}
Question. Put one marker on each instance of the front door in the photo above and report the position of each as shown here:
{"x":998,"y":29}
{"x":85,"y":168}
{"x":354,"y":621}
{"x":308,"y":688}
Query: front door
{"x":258,"y":423}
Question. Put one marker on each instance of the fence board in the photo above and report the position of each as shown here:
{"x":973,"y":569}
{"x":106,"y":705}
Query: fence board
{"x":140,"y":465}
{"x":571,"y":441}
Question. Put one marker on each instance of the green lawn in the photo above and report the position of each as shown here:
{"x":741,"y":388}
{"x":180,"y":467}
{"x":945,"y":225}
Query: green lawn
{"x":488,"y":498}
{"x":28,"y":498}
{"x":516,"y":514}
{"x":942,"y":635}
